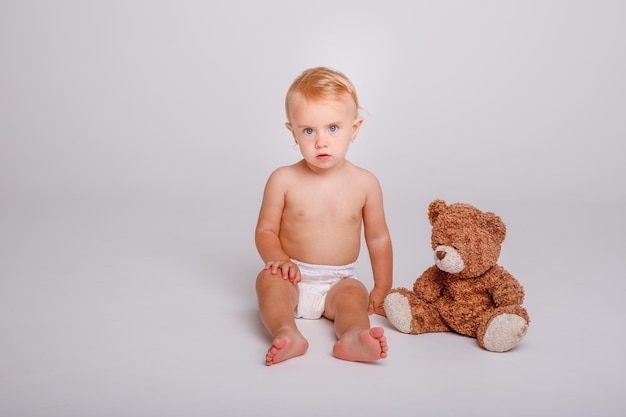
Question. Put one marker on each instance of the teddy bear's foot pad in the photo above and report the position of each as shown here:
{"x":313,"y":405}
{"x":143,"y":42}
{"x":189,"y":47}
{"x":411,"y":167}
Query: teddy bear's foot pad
{"x":504,"y":332}
{"x":398,"y":311}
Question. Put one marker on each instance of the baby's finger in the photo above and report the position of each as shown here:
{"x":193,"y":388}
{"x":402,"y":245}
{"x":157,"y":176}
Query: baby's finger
{"x":284,"y":269}
{"x":274,"y":268}
{"x":294,"y":275}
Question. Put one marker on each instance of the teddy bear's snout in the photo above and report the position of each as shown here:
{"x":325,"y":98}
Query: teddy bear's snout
{"x":448,"y":259}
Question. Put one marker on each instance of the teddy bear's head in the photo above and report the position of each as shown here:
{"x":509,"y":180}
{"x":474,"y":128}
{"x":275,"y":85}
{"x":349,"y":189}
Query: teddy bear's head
{"x":466,"y":241}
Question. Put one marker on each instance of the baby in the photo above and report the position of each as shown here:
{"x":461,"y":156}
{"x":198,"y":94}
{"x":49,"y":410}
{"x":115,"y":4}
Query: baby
{"x":309,"y":228}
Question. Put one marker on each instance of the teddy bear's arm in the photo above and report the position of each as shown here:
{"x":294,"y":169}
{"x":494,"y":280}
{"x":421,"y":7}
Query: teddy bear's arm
{"x":429,"y":285}
{"x":504,"y":288}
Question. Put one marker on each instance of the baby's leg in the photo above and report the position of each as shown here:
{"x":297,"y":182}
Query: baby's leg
{"x":346,"y":304}
{"x":278,"y":298}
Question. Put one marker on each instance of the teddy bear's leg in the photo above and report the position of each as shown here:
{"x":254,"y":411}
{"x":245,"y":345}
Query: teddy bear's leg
{"x":409,"y":314}
{"x":503,"y":328}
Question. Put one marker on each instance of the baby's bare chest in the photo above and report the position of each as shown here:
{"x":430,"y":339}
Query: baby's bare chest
{"x":324,"y":206}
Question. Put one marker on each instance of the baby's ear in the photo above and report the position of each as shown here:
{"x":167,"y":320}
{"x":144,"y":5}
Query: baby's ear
{"x":290,"y":128}
{"x":356,"y":126}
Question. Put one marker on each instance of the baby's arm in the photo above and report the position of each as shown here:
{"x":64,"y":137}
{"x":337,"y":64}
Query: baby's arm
{"x":379,"y":247}
{"x":268,"y":225}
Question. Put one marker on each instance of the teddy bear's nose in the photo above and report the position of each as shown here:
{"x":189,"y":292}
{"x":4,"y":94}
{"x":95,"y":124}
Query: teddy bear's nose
{"x":440,"y":254}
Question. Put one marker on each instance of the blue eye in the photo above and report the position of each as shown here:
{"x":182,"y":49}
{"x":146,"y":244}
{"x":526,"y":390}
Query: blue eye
{"x":308,"y":131}
{"x":333,"y":128}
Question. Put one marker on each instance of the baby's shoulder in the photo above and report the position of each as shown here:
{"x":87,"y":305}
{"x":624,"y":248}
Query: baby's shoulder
{"x":284,"y":172}
{"x":283,"y":175}
{"x":363,"y":174}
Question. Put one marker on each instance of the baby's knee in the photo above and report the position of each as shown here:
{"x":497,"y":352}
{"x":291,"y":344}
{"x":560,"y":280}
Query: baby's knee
{"x":352,"y":288}
{"x":266,"y":278}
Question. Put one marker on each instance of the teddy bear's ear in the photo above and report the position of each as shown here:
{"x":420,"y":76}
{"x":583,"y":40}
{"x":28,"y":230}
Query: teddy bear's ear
{"x":495,"y":226}
{"x":435,"y":209}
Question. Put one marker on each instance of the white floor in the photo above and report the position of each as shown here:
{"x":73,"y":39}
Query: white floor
{"x":148,"y":309}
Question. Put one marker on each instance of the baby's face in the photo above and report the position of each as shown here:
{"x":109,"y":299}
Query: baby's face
{"x":323,"y":129}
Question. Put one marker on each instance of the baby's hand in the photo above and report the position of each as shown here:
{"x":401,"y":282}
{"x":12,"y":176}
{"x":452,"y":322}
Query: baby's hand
{"x":287,"y":269}
{"x":377,"y":297}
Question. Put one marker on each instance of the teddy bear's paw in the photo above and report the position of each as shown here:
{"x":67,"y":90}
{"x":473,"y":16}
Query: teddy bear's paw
{"x":398,"y":311}
{"x":504,"y":332}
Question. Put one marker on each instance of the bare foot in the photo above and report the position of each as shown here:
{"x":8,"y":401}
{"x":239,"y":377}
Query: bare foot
{"x":362,"y":345}
{"x":286,"y":346}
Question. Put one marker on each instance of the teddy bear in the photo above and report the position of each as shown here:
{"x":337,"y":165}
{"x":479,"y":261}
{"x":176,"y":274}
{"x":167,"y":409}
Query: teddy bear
{"x":465,"y":291}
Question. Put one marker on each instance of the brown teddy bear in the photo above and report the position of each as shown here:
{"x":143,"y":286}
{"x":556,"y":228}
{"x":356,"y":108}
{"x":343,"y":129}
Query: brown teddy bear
{"x":466,"y":291}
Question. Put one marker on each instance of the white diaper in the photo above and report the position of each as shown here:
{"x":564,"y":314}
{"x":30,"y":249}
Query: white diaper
{"x":316,"y":281}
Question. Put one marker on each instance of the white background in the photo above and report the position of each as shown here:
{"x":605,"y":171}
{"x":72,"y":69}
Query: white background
{"x":135,"y":141}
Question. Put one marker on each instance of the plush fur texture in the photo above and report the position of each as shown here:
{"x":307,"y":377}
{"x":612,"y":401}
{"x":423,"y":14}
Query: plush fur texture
{"x":466,"y":291}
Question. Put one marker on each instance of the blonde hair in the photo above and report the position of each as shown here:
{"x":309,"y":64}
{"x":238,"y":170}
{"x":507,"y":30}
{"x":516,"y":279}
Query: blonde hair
{"x":321,"y":83}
